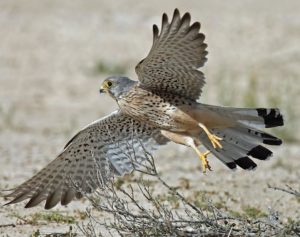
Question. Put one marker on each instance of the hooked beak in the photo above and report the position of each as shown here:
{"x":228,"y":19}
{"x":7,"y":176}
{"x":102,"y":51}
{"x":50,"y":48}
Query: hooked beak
{"x":102,"y":90}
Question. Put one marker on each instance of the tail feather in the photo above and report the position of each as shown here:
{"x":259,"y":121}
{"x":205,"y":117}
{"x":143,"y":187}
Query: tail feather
{"x":260,"y":152}
{"x":239,"y":144}
{"x":248,"y":134}
{"x":230,"y":155}
{"x":257,"y":117}
{"x":243,"y":139}
{"x":272,"y":117}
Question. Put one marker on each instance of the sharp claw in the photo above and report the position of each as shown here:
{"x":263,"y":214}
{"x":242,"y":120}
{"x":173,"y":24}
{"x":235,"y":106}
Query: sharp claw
{"x":219,"y":145}
{"x":205,"y":164}
{"x":215,"y":141}
{"x":213,"y":138}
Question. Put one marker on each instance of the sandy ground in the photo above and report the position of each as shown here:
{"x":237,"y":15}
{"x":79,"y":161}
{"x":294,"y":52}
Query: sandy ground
{"x":48,"y":88}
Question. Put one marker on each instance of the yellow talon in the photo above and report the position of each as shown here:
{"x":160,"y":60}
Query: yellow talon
{"x":202,"y":156}
{"x":205,"y":164}
{"x":213,"y":138}
{"x":215,"y":141}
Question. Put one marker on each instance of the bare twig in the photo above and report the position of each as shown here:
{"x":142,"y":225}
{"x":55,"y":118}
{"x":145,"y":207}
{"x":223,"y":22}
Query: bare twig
{"x":288,"y":190}
{"x":136,"y":209}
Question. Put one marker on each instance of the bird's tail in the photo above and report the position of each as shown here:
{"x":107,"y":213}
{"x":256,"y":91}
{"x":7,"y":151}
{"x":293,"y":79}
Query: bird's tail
{"x":244,"y":139}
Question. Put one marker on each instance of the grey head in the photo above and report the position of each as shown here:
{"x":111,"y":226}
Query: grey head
{"x":116,"y":86}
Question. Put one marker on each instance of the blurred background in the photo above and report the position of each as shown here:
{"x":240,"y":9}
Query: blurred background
{"x":54,"y":55}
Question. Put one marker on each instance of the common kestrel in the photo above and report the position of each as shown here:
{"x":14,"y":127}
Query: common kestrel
{"x":162,"y":106}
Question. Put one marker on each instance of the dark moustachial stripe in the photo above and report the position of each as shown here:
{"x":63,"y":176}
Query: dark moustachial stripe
{"x":245,"y":163}
{"x":271,"y":119}
{"x":260,"y":152}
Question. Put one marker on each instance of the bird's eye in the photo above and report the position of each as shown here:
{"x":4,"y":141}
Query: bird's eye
{"x":109,"y":83}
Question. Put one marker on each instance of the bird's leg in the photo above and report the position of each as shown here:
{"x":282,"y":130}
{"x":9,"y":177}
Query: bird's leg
{"x":203,"y":158}
{"x":188,"y":141}
{"x":215,"y":140}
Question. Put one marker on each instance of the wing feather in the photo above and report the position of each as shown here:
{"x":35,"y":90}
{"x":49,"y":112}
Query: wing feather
{"x":177,"y":52}
{"x":93,"y":156}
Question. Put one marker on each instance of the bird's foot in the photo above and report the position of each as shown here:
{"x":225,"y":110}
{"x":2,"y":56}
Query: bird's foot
{"x":205,"y":164}
{"x":215,"y":140}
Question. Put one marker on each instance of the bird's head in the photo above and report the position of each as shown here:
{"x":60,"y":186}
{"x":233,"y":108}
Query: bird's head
{"x":116,"y":86}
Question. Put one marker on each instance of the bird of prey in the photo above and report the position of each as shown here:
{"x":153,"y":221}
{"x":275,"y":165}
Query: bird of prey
{"x":160,"y":107}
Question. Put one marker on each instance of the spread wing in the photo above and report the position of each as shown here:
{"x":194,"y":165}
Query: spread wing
{"x":176,"y":54}
{"x":107,"y":147}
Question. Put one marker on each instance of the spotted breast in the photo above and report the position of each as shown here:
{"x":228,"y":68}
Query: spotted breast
{"x":163,"y":110}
